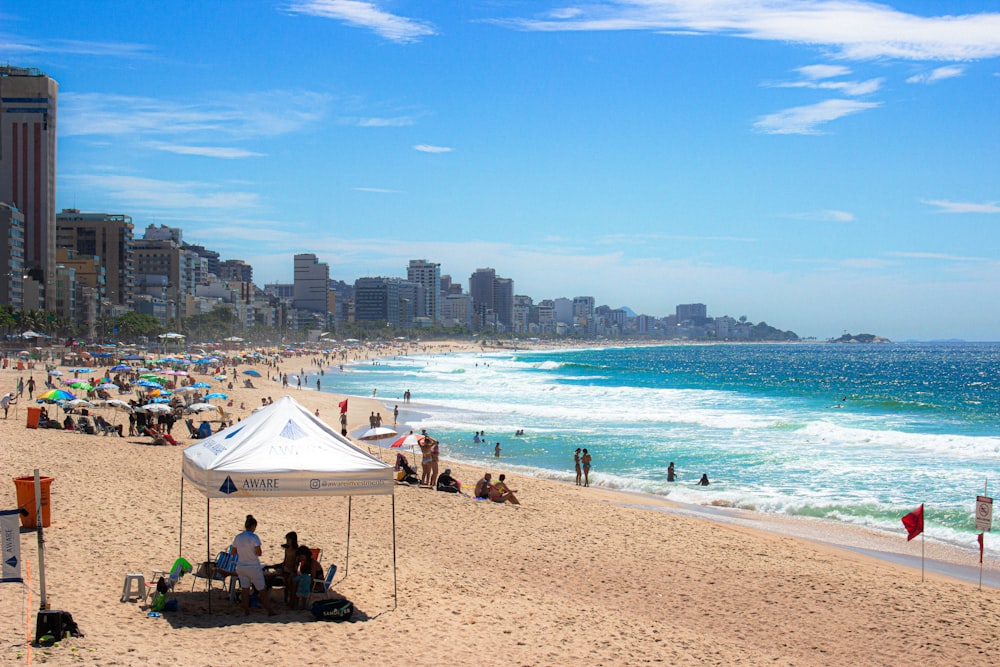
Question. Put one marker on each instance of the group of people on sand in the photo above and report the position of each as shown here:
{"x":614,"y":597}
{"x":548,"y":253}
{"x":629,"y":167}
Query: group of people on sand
{"x":298,"y":572}
{"x":498,"y":491}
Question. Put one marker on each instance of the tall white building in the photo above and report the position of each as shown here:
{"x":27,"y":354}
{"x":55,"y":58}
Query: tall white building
{"x":428,"y":275}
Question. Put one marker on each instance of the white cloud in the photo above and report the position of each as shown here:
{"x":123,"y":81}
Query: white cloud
{"x":854,"y":88}
{"x":938,"y":74}
{"x":74,"y":47}
{"x":134,"y":192}
{"x":427,"y":148}
{"x":855,"y":28}
{"x":259,"y":114}
{"x":399,"y":121}
{"x":806,"y":119}
{"x":365,"y":15}
{"x":945,"y":206}
{"x":222,"y":152}
{"x":827,"y":215}
{"x":823,"y":71}
{"x":937,"y":256}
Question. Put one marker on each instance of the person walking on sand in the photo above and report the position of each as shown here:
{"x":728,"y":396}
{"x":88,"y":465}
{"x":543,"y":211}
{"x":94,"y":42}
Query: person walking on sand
{"x":585,"y":460}
{"x":31,"y":386}
{"x":395,"y":415}
{"x":576,"y":462}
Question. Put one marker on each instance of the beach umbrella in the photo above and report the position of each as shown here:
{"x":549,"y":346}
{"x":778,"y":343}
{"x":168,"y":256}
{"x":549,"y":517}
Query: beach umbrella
{"x":221,"y":377}
{"x":252,"y":373}
{"x":413,"y":440}
{"x":216,"y":394}
{"x":378,"y":433}
{"x":117,"y":404}
{"x":107,"y":385}
{"x":184,"y":390}
{"x":154,"y":408}
{"x":201,"y":407}
{"x":56,"y":373}
{"x":146,"y":383}
{"x":53,"y":395}
{"x":201,"y":385}
{"x":82,"y":386}
{"x":77,"y":403}
{"x":120,"y":367}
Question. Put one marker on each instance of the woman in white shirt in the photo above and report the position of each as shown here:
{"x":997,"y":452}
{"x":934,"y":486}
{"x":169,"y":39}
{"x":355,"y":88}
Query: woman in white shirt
{"x":248,"y":567}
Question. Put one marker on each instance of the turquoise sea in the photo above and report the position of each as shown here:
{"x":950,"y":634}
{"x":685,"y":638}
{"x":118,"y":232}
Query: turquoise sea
{"x":860,"y":434}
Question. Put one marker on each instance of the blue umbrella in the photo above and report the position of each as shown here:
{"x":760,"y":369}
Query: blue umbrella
{"x":252,"y":373}
{"x":215,"y":394}
{"x":121,"y":367}
{"x":201,"y":385}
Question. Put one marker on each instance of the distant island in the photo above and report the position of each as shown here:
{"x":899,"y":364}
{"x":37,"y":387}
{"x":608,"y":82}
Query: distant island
{"x":860,"y":338}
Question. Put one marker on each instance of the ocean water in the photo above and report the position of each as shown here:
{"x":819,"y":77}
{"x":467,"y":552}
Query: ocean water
{"x":860,"y":434}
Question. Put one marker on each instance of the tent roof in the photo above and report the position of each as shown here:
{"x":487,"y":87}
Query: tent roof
{"x":283,"y":450}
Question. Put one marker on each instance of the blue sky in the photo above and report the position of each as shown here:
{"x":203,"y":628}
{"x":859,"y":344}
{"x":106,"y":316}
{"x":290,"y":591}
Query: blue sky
{"x":822,"y":166}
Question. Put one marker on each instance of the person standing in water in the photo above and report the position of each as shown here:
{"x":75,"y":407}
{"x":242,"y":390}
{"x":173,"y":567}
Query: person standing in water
{"x":576,"y":462}
{"x":585,"y":460}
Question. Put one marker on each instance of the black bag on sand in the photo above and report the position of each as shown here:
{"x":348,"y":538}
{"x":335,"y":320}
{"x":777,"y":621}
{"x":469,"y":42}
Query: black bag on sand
{"x":333,"y":610}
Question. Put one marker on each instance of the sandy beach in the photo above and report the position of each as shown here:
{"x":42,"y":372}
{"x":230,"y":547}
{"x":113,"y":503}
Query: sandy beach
{"x":572,"y":576}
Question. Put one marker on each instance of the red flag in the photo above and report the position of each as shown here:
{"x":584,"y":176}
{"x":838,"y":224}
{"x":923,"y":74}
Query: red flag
{"x":343,"y":406}
{"x":980,"y":538}
{"x":914,"y":522}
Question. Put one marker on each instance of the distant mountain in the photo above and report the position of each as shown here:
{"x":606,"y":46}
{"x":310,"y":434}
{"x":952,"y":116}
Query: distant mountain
{"x":628,"y":311}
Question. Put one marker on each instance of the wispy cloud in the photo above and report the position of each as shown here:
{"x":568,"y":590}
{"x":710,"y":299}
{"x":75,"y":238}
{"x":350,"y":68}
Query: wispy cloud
{"x":428,"y":148}
{"x":853,"y":28}
{"x":937,"y":74}
{"x":827,"y":215}
{"x":19,"y":45}
{"x":818,"y":77}
{"x":134,"y":192}
{"x":938,"y":256}
{"x":946,"y":206}
{"x":237,"y":116}
{"x":222,"y":152}
{"x":807,"y":119}
{"x":365,"y":15}
{"x":398,"y":121}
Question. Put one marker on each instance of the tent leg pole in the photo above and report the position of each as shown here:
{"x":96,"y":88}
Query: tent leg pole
{"x":395,"y":594}
{"x":347,"y":559}
{"x":180,"y":531}
{"x":208,"y":548}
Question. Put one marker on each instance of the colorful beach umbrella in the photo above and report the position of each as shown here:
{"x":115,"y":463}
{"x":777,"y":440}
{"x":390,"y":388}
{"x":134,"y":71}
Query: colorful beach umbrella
{"x":252,"y":373}
{"x":413,"y":440}
{"x":53,"y":395}
{"x":82,"y":386}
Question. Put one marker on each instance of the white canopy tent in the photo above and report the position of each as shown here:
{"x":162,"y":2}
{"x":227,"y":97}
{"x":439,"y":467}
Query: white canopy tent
{"x":284,"y":450}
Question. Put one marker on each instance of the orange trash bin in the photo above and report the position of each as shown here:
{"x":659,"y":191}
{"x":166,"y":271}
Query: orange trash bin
{"x":26,"y":498}
{"x":34,"y":416}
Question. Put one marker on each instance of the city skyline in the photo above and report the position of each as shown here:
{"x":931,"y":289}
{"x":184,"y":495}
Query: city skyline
{"x":769,"y":159}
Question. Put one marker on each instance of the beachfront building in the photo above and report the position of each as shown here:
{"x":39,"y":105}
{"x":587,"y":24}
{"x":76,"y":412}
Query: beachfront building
{"x":545,"y":316}
{"x":457,"y":310}
{"x":162,"y":272}
{"x":376,"y":300}
{"x":691,"y":314}
{"x":312,"y":279}
{"x":107,"y":237}
{"x":492,"y":299}
{"x":428,"y":276}
{"x":522,"y":313}
{"x":11,"y":256}
{"x":28,"y":101}
{"x":236,"y":269}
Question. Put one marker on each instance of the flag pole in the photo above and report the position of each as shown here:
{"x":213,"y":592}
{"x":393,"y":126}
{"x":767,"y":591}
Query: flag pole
{"x":923,"y":534}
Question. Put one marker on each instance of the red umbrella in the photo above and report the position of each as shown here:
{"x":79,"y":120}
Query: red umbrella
{"x":413,"y":440}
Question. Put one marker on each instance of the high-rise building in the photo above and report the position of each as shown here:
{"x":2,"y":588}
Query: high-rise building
{"x":107,"y":237}
{"x":694,"y":313}
{"x":11,"y":256}
{"x":236,"y":269}
{"x":312,"y":279}
{"x":427,"y":274}
{"x":28,"y":101}
{"x":503,"y":302}
{"x":376,"y":300}
{"x":163,"y":272}
{"x":492,"y":299}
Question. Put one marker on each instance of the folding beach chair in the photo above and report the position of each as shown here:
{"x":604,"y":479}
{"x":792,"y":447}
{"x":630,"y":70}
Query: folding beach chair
{"x":323,"y":586}
{"x":180,"y":567}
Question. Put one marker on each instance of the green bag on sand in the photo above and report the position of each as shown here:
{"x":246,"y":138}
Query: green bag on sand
{"x":159,"y":602}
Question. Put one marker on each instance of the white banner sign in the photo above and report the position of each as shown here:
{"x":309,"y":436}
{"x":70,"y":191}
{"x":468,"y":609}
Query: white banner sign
{"x":10,"y":535}
{"x":984,"y":513}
